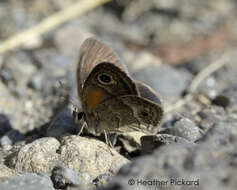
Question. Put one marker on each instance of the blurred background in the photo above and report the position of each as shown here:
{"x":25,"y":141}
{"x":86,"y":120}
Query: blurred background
{"x":164,"y":43}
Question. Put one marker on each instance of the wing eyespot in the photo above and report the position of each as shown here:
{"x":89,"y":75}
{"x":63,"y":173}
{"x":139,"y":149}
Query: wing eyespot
{"x":105,"y":79}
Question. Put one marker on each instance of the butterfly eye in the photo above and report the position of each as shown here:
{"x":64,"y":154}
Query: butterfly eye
{"x":105,"y":79}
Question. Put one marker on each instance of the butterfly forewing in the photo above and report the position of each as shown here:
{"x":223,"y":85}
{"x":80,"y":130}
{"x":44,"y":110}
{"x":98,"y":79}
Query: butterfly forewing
{"x":92,"y":53}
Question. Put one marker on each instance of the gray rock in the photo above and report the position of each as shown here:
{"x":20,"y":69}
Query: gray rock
{"x":56,"y":62}
{"x":152,"y":142}
{"x":184,"y":128}
{"x":228,"y":99}
{"x":2,"y":155}
{"x":47,"y":78}
{"x":5,"y":172}
{"x":11,"y":137}
{"x":178,"y":162}
{"x":102,"y":179}
{"x":89,"y":158}
{"x":218,"y":85}
{"x":38,"y":156}
{"x":170,"y":83}
{"x":210,"y":116}
{"x":17,"y":70}
{"x":221,"y":134}
{"x":64,"y":177}
{"x":27,"y":181}
{"x":24,"y":112}
{"x":62,"y":125}
{"x":221,"y":100}
{"x":165,"y":25}
{"x":225,"y":83}
{"x":36,"y":82}
{"x":44,"y":81}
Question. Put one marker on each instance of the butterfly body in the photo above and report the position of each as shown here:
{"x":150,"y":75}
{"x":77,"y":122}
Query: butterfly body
{"x":111,"y":100}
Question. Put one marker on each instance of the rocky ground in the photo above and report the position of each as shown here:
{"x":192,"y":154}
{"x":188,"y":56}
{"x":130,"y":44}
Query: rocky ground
{"x":164,"y":43}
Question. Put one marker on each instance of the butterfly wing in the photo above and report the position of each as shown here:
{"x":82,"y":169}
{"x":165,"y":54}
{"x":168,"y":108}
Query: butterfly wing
{"x":92,"y":53}
{"x":104,"y":82}
{"x":127,"y":113}
{"x":148,"y":93}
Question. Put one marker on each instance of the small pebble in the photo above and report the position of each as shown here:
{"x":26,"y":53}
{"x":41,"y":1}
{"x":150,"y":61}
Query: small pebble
{"x":184,"y":128}
{"x":64,"y":177}
{"x":27,"y":181}
{"x":221,"y":100}
{"x":11,"y":137}
{"x":151,"y":142}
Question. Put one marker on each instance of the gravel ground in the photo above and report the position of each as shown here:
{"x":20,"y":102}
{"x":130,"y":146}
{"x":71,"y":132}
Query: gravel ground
{"x":165,"y":44}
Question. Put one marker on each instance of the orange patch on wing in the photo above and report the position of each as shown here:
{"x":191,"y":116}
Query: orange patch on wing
{"x":93,"y":98}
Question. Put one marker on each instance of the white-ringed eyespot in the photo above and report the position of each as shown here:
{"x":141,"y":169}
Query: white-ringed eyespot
{"x":105,"y":78}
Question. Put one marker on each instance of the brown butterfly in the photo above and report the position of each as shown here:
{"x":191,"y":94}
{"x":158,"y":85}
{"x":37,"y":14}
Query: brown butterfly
{"x":111,"y":100}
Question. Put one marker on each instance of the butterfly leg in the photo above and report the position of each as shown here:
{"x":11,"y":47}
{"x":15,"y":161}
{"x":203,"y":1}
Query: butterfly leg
{"x":81,"y":129}
{"x":108,"y":142}
{"x":78,"y":118}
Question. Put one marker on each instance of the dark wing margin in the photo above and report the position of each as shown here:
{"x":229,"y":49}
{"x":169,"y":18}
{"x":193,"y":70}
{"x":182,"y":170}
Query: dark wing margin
{"x":148,"y":93}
